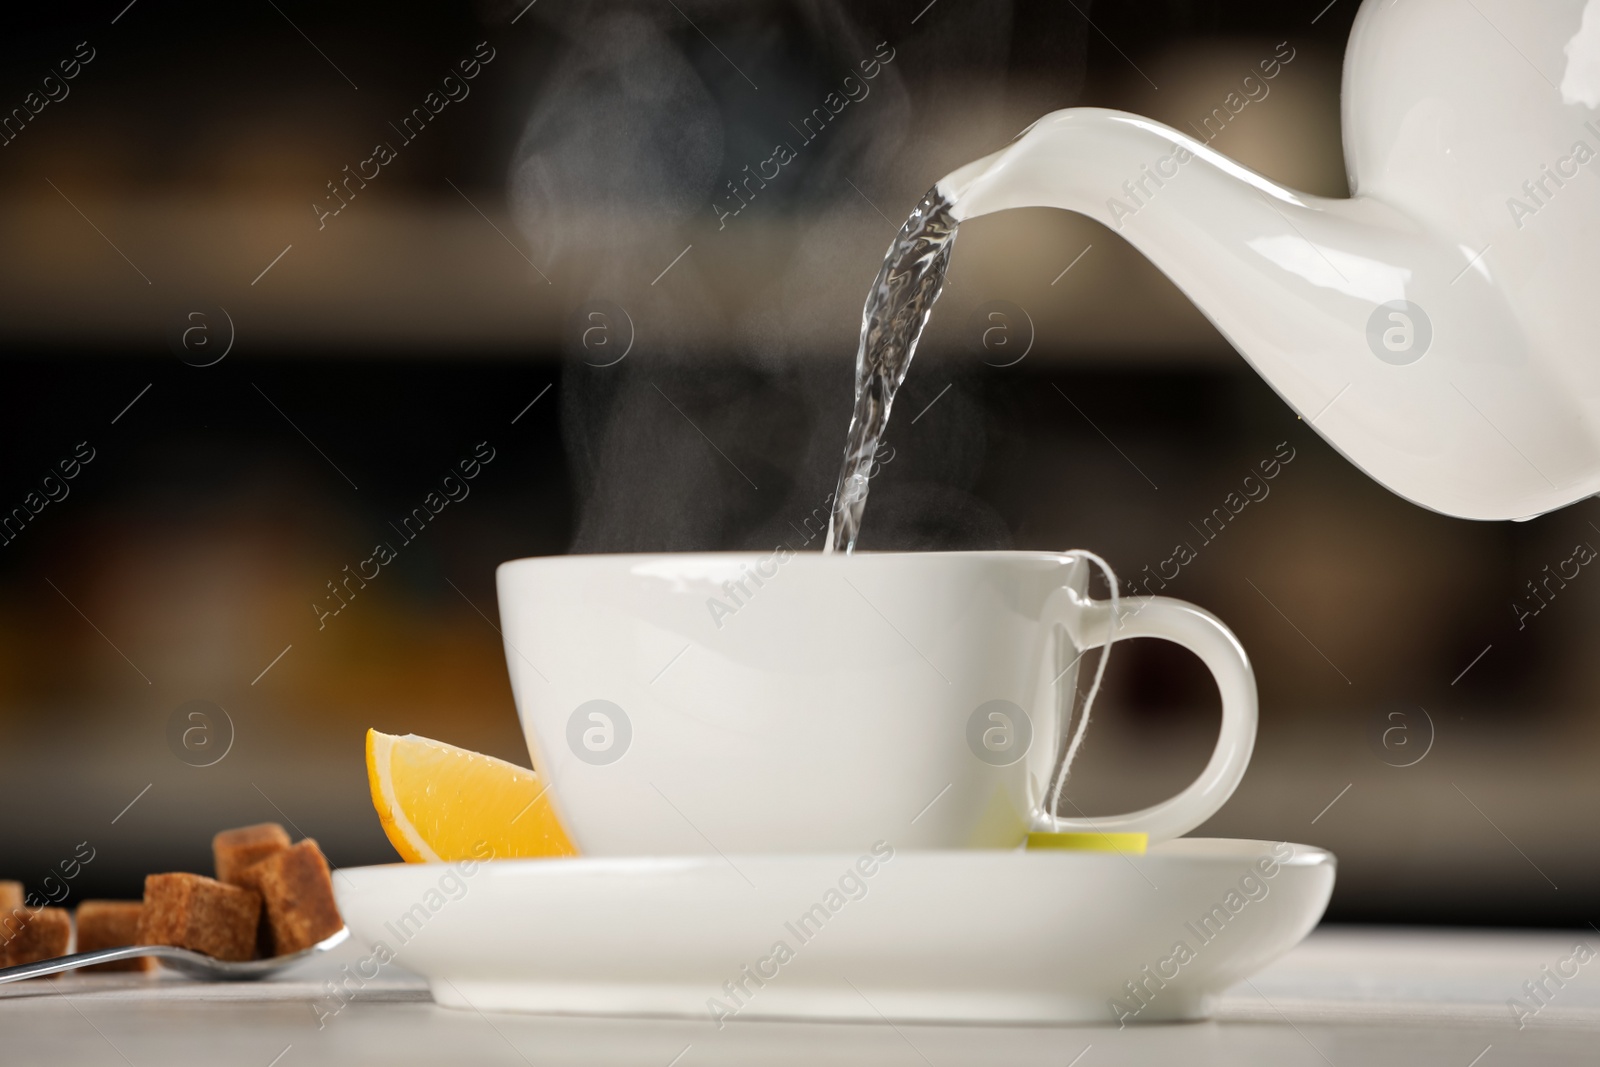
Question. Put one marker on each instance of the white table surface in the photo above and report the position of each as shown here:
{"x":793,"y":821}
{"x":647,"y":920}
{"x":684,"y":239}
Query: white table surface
{"x":1357,"y":997}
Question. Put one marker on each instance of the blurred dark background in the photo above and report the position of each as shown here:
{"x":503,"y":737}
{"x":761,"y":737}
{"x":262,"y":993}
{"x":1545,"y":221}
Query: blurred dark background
{"x":1408,"y":723}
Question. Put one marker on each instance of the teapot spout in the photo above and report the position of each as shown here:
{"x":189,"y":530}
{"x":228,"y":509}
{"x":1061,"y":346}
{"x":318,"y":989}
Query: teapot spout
{"x":1394,"y":343}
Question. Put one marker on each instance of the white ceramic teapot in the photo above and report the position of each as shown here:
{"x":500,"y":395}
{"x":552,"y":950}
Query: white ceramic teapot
{"x":1437,"y":327}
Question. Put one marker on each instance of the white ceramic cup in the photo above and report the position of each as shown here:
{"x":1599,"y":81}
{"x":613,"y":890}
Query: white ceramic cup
{"x":799,"y":702}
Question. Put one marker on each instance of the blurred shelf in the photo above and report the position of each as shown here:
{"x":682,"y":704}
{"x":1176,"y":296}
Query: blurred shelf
{"x":428,"y":275}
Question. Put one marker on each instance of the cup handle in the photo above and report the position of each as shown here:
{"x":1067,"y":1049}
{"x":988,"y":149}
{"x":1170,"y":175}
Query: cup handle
{"x":1088,"y":622}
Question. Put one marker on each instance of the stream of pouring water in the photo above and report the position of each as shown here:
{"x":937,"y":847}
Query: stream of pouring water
{"x":896,"y":311}
{"x":911,"y":279}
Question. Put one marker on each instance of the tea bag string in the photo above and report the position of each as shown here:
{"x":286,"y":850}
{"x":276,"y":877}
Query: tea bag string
{"x":1094,"y":687}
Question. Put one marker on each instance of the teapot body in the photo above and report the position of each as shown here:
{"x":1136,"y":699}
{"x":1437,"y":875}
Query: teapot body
{"x":1433,"y":327}
{"x":1477,"y":120}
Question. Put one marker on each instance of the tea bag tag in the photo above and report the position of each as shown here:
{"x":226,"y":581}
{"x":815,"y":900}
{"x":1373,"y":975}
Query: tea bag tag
{"x":1133,"y":844}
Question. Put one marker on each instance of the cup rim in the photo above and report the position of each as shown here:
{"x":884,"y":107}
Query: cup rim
{"x":813,"y":556}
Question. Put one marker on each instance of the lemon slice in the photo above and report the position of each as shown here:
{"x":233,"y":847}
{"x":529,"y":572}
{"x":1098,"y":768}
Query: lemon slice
{"x":439,"y":803}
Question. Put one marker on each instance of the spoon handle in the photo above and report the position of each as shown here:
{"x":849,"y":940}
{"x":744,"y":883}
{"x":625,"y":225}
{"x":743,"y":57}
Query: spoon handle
{"x":81,"y":959}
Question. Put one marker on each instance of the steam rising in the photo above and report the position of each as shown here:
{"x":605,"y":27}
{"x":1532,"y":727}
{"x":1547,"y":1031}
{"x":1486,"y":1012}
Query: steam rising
{"x":646,"y":126}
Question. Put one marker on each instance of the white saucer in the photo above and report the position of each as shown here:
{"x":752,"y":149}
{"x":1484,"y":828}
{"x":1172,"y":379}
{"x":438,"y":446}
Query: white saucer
{"x":978,"y":936}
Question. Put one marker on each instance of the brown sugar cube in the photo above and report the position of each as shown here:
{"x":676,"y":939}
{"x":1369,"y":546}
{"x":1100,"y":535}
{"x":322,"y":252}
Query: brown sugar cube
{"x":234,"y":850}
{"x":196,"y":912}
{"x":12,"y":920}
{"x":13,"y":916}
{"x":297,"y":891}
{"x":11,"y":906}
{"x":41,"y":934}
{"x":111,"y":924}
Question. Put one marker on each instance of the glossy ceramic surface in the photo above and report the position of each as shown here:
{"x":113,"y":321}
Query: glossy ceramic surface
{"x":807,"y":703}
{"x":1016,"y":937}
{"x":1434,"y":327}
